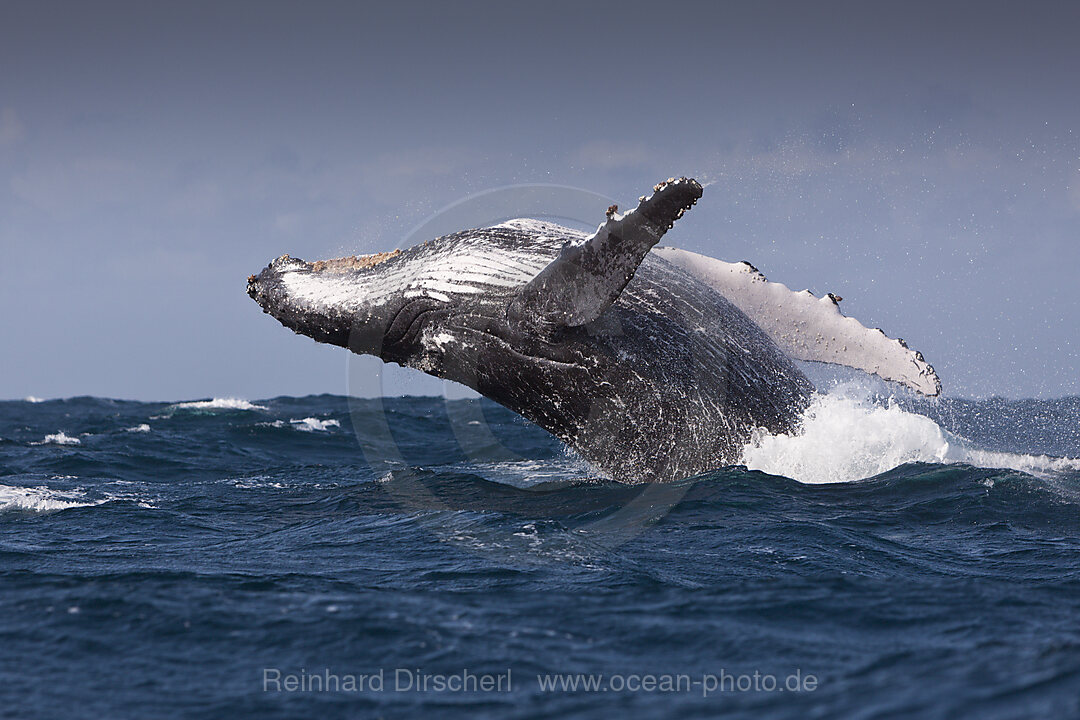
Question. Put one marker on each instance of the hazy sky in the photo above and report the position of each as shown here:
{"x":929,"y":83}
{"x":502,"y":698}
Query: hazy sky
{"x":921,"y":160}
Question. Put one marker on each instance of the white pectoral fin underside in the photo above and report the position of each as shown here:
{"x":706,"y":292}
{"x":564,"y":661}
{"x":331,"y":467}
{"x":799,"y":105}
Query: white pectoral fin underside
{"x":806,"y":327}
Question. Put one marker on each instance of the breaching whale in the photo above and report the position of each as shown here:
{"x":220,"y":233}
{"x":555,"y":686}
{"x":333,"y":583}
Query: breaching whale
{"x":652,"y":363}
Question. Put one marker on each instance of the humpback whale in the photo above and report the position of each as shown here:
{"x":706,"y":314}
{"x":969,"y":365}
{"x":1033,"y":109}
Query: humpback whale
{"x":652,"y":363}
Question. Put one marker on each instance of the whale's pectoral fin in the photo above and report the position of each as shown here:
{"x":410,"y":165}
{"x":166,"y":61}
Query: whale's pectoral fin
{"x":806,"y":327}
{"x":586,"y":278}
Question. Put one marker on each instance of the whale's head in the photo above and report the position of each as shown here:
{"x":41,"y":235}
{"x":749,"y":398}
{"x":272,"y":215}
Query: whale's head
{"x":379,"y":304}
{"x":351,"y":301}
{"x":515,"y":282}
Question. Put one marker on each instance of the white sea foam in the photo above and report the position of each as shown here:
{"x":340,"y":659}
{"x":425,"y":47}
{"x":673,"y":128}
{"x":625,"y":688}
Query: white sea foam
{"x":218,"y":404}
{"x":32,"y":399}
{"x":38,"y":499}
{"x":258,"y":482}
{"x":144,"y":428}
{"x":845,"y":436}
{"x":311,"y":424}
{"x":58,"y":439}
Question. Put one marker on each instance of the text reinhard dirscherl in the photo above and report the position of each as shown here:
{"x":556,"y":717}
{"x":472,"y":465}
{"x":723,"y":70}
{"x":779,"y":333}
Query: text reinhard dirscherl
{"x":414,"y":680}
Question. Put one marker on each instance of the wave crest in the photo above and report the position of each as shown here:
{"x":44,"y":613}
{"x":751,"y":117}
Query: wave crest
{"x":32,"y":499}
{"x":219,"y":404}
{"x":311,"y":424}
{"x":59,"y":438}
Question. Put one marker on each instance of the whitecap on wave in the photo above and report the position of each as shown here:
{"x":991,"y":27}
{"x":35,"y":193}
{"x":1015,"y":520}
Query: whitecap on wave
{"x":218,"y":404}
{"x":257,"y":482}
{"x":38,"y":499}
{"x":845,"y":436}
{"x":310,"y":424}
{"x":58,"y":438}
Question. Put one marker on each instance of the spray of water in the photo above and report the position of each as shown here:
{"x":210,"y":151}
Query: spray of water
{"x":846,"y":435}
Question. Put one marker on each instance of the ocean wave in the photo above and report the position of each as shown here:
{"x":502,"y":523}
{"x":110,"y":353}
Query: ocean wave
{"x":59,"y":438}
{"x":38,"y":499}
{"x":846,"y":436}
{"x":218,"y":404}
{"x":32,"y":399}
{"x":310,"y":424}
{"x":258,"y":482}
{"x":143,"y":428}
{"x":525,"y":473}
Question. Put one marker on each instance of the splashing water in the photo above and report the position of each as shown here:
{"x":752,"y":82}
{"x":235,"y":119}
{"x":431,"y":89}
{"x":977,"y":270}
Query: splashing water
{"x":846,"y":436}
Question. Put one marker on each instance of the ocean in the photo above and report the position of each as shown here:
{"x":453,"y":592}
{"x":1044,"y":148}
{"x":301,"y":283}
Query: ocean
{"x":345,"y":558}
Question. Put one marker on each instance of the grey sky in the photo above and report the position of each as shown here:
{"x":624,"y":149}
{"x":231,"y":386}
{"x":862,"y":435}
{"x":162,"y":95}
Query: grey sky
{"x":922,"y":161}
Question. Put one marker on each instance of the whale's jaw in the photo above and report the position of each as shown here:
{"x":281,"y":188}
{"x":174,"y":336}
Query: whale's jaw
{"x":330,"y":301}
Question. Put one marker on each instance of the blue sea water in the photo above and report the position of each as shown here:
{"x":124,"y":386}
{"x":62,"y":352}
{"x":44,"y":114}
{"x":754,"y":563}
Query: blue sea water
{"x":166,"y":560}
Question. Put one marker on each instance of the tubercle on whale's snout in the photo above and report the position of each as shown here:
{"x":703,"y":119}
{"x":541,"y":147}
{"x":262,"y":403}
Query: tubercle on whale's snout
{"x":260,"y":287}
{"x":253,"y":287}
